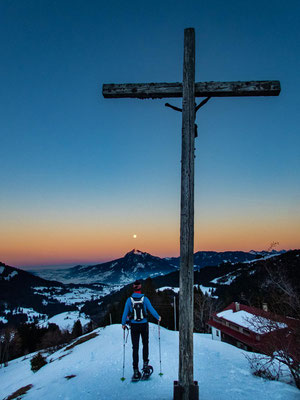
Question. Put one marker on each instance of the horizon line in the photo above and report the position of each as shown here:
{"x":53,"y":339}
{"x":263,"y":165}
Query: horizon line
{"x":67,"y":264}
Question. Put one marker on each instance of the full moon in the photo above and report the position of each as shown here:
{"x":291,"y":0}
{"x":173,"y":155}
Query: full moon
{"x":134,"y":236}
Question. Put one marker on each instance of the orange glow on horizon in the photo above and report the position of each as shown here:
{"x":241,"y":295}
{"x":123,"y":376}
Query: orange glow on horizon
{"x":41,"y":246}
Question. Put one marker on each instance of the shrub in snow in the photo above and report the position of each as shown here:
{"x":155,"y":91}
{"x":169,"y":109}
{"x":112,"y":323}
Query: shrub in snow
{"x":20,"y":392}
{"x":68,"y":377}
{"x":264,"y":366}
{"x":37,"y":362}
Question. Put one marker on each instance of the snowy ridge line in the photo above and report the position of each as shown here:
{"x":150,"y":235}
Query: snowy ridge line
{"x":137,"y":264}
{"x":205,"y":289}
{"x":231,"y":276}
{"x":262,"y":258}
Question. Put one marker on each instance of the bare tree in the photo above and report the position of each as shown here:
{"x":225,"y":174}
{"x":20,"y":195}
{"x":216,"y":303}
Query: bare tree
{"x":204,"y":306}
{"x":280,"y":330}
{"x":279,"y":345}
{"x":6,"y":339}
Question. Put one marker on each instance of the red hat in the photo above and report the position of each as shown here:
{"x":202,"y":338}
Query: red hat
{"x":137,"y":285}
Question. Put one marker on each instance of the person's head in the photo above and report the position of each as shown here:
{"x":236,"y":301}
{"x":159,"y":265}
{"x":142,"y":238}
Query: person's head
{"x":137,"y":286}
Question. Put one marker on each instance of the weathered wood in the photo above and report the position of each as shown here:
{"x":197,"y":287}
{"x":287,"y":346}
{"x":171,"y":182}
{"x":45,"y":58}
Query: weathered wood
{"x":186,"y":276}
{"x":202,"y":89}
{"x":186,"y":388}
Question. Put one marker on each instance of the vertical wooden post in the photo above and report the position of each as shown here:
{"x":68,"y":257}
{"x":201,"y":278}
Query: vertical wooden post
{"x":175,"y":326}
{"x":186,"y":387}
{"x":186,"y":280}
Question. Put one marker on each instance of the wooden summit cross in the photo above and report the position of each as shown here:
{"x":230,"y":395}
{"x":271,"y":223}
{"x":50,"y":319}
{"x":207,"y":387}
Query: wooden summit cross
{"x":186,"y":388}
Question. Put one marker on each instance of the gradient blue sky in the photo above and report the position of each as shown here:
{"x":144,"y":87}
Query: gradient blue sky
{"x":81,"y":174}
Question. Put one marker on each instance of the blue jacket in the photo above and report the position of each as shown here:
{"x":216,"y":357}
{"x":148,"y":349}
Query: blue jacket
{"x":147,"y":307}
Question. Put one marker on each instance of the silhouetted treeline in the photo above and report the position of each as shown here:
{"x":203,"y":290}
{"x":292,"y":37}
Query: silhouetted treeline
{"x":28,"y":338}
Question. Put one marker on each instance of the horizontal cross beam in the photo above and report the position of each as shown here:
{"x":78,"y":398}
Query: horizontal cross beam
{"x":202,"y":89}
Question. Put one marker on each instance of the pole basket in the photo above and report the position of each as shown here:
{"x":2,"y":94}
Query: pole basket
{"x":179,"y":390}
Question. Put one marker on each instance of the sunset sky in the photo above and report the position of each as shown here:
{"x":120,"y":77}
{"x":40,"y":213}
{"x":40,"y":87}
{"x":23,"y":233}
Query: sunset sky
{"x":80,"y":174}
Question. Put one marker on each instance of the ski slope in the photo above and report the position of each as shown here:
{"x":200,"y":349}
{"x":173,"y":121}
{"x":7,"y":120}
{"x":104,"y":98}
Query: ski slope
{"x":222,"y":372}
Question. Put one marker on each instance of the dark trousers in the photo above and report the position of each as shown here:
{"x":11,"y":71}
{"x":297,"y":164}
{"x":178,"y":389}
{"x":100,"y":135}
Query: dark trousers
{"x":137,"y":330}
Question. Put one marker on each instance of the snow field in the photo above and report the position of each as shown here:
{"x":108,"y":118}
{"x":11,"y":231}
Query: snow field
{"x":66,"y":320}
{"x":74,"y":295}
{"x":222,"y":371}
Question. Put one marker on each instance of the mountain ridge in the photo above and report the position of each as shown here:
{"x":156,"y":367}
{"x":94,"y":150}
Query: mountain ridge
{"x":243,"y":282}
{"x":137,"y":264}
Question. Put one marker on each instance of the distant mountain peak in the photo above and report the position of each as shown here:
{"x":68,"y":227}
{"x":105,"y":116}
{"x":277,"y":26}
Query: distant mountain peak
{"x":253,"y":252}
{"x":136,"y":252}
{"x":136,"y":264}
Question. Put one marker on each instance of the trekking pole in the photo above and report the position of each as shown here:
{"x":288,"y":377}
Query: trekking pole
{"x":160,"y":373}
{"x":124,"y":342}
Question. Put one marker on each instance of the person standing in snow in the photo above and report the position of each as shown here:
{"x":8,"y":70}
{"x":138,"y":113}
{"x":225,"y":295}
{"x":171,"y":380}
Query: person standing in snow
{"x":136,"y":308}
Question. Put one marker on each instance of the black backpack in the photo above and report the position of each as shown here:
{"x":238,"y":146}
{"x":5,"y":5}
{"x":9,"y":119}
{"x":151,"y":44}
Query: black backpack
{"x":138,"y":310}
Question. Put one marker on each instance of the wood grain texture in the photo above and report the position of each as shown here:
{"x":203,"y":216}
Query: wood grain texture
{"x":186,"y":276}
{"x":202,"y":89}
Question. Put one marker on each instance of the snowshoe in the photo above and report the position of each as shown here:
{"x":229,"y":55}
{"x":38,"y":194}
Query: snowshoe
{"x":147,"y":372}
{"x":136,"y":375}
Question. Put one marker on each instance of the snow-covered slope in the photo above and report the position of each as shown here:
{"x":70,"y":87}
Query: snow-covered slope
{"x":96,"y":366}
{"x":66,"y":320}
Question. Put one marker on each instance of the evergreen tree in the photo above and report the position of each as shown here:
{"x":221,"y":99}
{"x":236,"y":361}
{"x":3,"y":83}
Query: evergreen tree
{"x":77,"y":329}
{"x":149,"y":289}
{"x":31,"y":336}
